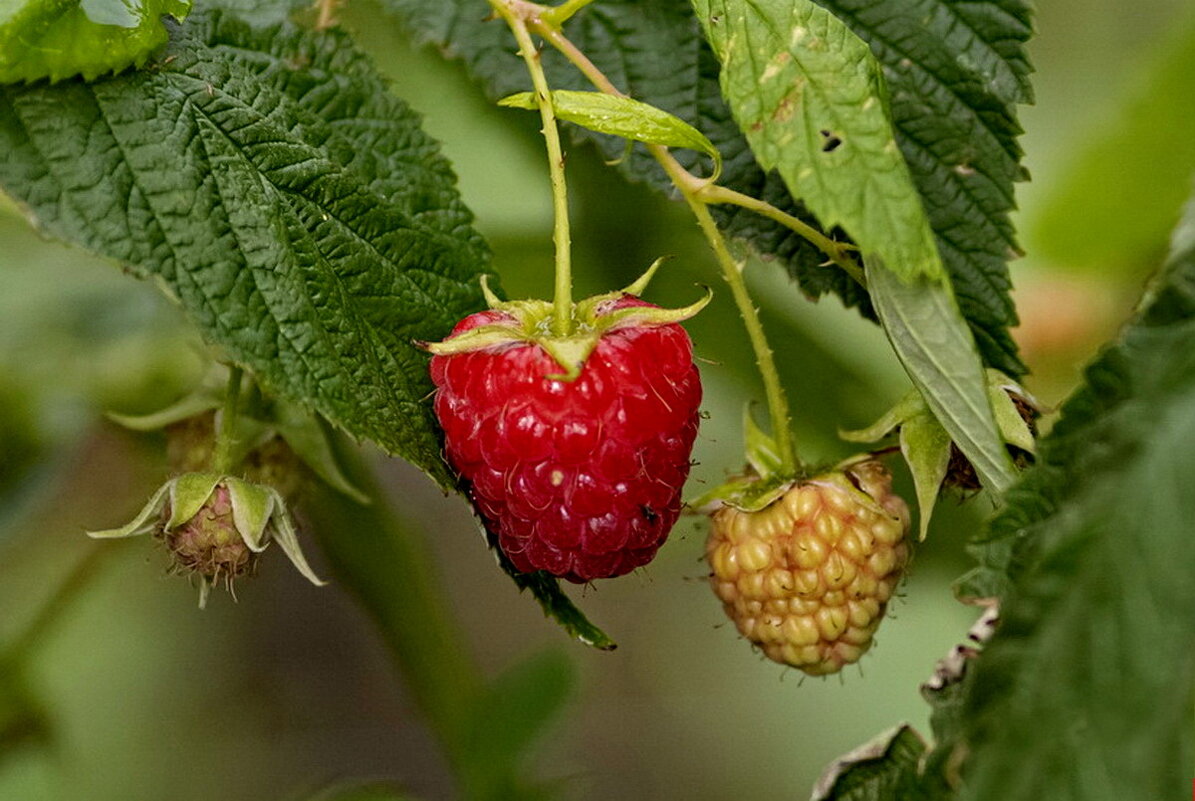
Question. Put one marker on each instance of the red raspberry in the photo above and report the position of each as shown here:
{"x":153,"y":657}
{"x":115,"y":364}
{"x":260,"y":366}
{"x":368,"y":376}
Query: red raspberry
{"x":580,"y":478}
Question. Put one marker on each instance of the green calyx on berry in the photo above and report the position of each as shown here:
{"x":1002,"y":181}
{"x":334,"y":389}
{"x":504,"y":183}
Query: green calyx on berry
{"x":759,"y":485}
{"x":215,"y":526}
{"x":932,"y":457}
{"x":530,"y":321}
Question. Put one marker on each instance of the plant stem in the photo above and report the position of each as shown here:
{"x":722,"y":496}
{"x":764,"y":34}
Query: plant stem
{"x":837,"y":251}
{"x":562,"y":301}
{"x":697,"y":193}
{"x":764,"y":359}
{"x":226,"y":438}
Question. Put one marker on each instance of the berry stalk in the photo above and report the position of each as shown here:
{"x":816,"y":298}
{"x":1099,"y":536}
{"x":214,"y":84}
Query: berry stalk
{"x":562,"y":301}
{"x":226,"y":438}
{"x":694,"y":190}
{"x":764,"y":359}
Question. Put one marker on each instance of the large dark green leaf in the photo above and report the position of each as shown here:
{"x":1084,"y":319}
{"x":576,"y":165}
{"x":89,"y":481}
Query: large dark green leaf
{"x":1085,"y":691}
{"x":955,"y":72}
{"x":296,"y":210}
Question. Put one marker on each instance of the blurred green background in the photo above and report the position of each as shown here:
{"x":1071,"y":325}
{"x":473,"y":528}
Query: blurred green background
{"x":132,"y":693}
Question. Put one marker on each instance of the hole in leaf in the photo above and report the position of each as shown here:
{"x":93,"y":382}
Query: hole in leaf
{"x":831,"y":141}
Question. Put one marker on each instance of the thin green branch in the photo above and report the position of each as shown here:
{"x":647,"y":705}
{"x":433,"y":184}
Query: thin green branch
{"x":764,"y":359}
{"x":226,"y":437}
{"x":696,"y":192}
{"x":562,"y":301}
{"x":838,"y":252}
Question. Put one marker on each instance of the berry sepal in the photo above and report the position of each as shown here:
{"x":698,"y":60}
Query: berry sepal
{"x":759,"y":485}
{"x":215,"y":526}
{"x":932,"y":457}
{"x":530,"y":321}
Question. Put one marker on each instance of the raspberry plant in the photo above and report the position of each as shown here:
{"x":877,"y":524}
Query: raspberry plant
{"x":251,"y":161}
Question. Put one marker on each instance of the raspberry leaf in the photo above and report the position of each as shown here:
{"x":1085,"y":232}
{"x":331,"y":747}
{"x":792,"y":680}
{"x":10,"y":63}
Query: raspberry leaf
{"x":270,"y":183}
{"x":556,"y":605}
{"x":1087,"y":672}
{"x":934,"y":345}
{"x":955,"y":72}
{"x":622,"y":116}
{"x":54,"y":39}
{"x":883,"y":769}
{"x":808,"y":94}
{"x":926,"y":447}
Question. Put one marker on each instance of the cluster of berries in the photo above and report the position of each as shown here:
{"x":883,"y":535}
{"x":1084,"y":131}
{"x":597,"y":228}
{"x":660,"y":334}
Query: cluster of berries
{"x":576,"y":467}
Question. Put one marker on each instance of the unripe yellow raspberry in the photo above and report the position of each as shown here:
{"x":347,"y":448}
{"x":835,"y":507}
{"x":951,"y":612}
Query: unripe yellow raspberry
{"x":807,"y":577}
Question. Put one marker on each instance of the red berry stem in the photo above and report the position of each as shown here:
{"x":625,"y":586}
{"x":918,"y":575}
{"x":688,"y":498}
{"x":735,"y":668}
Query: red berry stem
{"x":562,"y":301}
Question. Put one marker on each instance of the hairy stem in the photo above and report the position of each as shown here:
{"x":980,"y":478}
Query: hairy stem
{"x":562,"y":302}
{"x":226,"y":437}
{"x":764,"y":359}
{"x":836,"y":251}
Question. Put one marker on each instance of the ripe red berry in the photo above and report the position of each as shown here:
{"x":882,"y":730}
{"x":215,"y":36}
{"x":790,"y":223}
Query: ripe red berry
{"x":578,"y":477}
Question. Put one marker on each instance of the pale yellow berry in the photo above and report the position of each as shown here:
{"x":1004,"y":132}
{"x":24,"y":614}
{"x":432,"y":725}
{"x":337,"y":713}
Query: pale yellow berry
{"x":808,"y":577}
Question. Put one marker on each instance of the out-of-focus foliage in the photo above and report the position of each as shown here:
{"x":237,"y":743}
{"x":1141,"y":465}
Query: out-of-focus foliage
{"x":1130,"y":171}
{"x":1067,"y":701}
